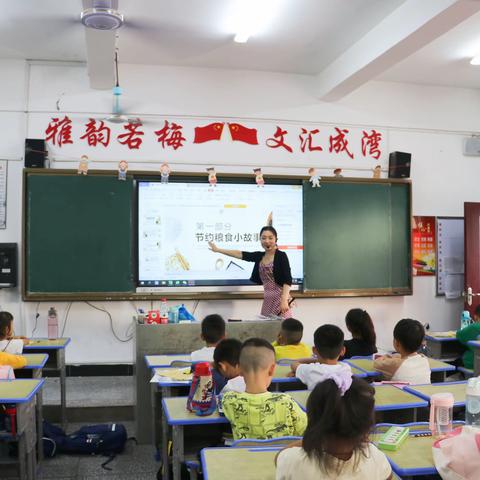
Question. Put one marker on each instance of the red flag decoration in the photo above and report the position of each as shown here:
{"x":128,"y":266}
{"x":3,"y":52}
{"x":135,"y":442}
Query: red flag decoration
{"x":213,"y":131}
{"x":243,"y":134}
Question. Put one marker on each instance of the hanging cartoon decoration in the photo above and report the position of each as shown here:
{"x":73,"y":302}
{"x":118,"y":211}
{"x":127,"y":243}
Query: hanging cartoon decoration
{"x":165,"y":172}
{"x":338,"y":173}
{"x":377,"y":171}
{"x":122,"y":170}
{"x":212,"y":177}
{"x":83,"y":165}
{"x":314,"y":177}
{"x":259,"y":177}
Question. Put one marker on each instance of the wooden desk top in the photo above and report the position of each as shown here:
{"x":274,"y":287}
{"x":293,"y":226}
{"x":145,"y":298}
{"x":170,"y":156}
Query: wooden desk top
{"x":367,"y":365}
{"x":19,"y":391}
{"x":45,"y":343}
{"x":458,"y":389}
{"x":35,"y":360}
{"x":153,"y":361}
{"x":175,"y":409}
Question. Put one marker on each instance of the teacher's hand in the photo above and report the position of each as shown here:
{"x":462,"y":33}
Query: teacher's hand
{"x":284,"y":305}
{"x":212,"y":247}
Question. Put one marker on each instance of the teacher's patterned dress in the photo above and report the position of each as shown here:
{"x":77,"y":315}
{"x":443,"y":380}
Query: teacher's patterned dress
{"x":272,"y":293}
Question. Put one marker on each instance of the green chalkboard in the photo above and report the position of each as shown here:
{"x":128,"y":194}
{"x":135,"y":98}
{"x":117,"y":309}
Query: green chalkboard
{"x":357,"y":237}
{"x":78,"y":233}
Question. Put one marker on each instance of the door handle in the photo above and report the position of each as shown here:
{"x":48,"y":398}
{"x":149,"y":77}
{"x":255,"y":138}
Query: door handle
{"x":469,"y":295}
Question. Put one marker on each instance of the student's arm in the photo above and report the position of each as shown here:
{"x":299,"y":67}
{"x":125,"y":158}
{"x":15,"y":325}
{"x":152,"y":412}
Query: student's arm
{"x":14,"y":361}
{"x":387,"y":365}
{"x":224,"y":251}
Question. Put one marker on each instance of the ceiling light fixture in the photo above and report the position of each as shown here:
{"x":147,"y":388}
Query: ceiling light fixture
{"x":475,"y":60}
{"x":102,"y":18}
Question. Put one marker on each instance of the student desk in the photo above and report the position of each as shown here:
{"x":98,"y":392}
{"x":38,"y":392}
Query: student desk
{"x":443,"y":345}
{"x":154,"y":361}
{"x":22,"y":393}
{"x":387,"y":397}
{"x":476,"y":356}
{"x":240,"y":463}
{"x":34,"y":366}
{"x":458,"y":389}
{"x":439,"y":369}
{"x":56,"y":363}
{"x":176,"y":415}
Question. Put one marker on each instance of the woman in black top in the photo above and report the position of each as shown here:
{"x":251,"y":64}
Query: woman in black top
{"x":363,"y":340}
{"x":271,"y":269}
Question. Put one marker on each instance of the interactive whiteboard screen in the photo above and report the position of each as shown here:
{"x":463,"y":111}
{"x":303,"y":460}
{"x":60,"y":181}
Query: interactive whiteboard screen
{"x":176,"y":221}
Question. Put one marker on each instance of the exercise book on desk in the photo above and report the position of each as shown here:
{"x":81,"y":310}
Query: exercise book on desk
{"x":175,"y":374}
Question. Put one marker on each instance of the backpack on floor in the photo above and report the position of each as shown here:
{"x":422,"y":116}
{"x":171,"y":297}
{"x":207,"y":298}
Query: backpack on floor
{"x":53,"y":439}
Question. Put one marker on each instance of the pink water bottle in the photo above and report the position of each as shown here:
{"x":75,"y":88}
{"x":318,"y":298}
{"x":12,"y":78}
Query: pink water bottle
{"x":52,"y":324}
{"x":441,"y":413}
{"x":201,"y":398}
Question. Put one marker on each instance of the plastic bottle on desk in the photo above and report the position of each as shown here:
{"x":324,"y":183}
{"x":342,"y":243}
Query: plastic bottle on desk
{"x":465,"y":319}
{"x":441,"y":413}
{"x":163,"y":311}
{"x":201,"y":398}
{"x":52,"y":324}
{"x":472,"y":404}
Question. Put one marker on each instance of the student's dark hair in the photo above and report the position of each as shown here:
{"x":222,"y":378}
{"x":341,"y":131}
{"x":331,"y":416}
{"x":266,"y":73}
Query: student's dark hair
{"x":292,"y":330}
{"x":6,"y":318}
{"x":213,"y":328}
{"x":333,"y":417}
{"x":360,"y":325}
{"x":269,"y":229}
{"x":477,"y":310}
{"x":257,"y":342}
{"x":228,"y":350}
{"x":410,"y":334}
{"x":328,"y":340}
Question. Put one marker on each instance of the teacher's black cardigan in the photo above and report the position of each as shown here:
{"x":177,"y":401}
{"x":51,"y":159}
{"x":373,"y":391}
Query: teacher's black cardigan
{"x":281,"y":267}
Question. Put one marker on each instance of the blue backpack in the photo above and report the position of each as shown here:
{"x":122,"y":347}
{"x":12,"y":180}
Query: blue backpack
{"x":104,"y":439}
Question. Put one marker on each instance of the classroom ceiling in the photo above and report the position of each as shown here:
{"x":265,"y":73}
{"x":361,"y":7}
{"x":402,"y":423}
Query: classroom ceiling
{"x":343,"y":43}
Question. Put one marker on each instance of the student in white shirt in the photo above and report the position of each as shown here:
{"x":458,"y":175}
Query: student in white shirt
{"x":328,"y":341}
{"x":407,"y":365}
{"x":9,"y":343}
{"x":335,"y":444}
{"x":213,"y":330}
{"x":226,"y":360}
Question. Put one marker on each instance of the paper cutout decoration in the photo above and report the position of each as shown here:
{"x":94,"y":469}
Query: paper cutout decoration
{"x":377,"y":171}
{"x":240,"y":133}
{"x":212,"y":131}
{"x":212,"y":176}
{"x":259,"y":177}
{"x":83,"y":165}
{"x":338,"y":173}
{"x":314,"y":177}
{"x":164,"y":172}
{"x":122,"y":170}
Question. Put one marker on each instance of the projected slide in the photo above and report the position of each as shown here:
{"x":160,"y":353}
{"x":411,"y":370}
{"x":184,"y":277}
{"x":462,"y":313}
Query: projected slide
{"x":176,"y":221}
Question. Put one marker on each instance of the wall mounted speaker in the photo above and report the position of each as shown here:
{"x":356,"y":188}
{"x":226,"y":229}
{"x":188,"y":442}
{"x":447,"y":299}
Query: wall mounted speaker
{"x":399,"y":165}
{"x":8,"y":265}
{"x":35,"y":153}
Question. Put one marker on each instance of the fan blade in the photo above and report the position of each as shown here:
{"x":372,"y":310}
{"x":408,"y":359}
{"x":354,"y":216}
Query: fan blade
{"x":100,"y":57}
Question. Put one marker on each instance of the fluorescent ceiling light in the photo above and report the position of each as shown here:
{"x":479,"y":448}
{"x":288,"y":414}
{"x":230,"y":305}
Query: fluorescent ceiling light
{"x":252,"y":17}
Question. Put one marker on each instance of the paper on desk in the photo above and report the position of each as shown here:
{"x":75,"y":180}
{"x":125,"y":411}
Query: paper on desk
{"x":172,"y":374}
{"x":448,"y":334}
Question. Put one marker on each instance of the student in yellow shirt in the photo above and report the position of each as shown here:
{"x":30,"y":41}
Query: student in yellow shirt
{"x":258,"y":413}
{"x":288,"y":344}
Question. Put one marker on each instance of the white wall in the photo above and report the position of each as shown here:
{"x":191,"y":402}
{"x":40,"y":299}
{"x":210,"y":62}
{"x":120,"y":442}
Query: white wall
{"x":426,"y":121}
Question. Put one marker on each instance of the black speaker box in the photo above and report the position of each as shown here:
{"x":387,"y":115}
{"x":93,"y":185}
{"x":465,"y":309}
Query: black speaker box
{"x":35,"y":153}
{"x":399,"y":165}
{"x":8,"y":265}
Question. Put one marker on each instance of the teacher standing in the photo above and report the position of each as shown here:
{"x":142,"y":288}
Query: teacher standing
{"x":271,"y":269}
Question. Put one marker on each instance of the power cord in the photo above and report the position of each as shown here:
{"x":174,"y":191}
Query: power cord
{"x":111,"y":323}
{"x":65,"y":318}
{"x":36,"y":319}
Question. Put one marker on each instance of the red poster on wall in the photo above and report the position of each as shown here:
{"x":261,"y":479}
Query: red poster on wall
{"x":423,"y":246}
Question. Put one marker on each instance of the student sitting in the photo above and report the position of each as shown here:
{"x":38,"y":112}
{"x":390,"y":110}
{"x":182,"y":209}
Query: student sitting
{"x":328,"y":340}
{"x":9,"y":343}
{"x":258,"y":413}
{"x":470,"y":332}
{"x":363,"y":340}
{"x":335,"y":443}
{"x":288,"y":344}
{"x":213,"y":330}
{"x":408,"y":365}
{"x":226,"y":359}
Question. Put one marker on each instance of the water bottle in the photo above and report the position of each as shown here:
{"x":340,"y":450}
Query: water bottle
{"x":173,"y":315}
{"x":52,"y":323}
{"x":201,"y":398}
{"x":163,"y":311}
{"x":465,"y":319}
{"x":441,"y":413}
{"x":472,"y":406}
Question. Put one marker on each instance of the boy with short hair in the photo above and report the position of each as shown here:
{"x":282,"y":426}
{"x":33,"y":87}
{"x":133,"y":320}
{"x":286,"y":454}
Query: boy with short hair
{"x":213,"y":330}
{"x":289,"y":344}
{"x":328,"y":341}
{"x":470,"y":332}
{"x":407,"y":365}
{"x":258,"y":413}
{"x":226,"y":360}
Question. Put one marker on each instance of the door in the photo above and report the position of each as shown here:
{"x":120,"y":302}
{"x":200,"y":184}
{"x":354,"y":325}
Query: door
{"x":472,"y":256}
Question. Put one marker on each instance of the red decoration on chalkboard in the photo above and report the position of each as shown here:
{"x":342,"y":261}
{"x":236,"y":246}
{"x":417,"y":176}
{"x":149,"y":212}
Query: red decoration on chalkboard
{"x":243,"y":134}
{"x":212,"y":131}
